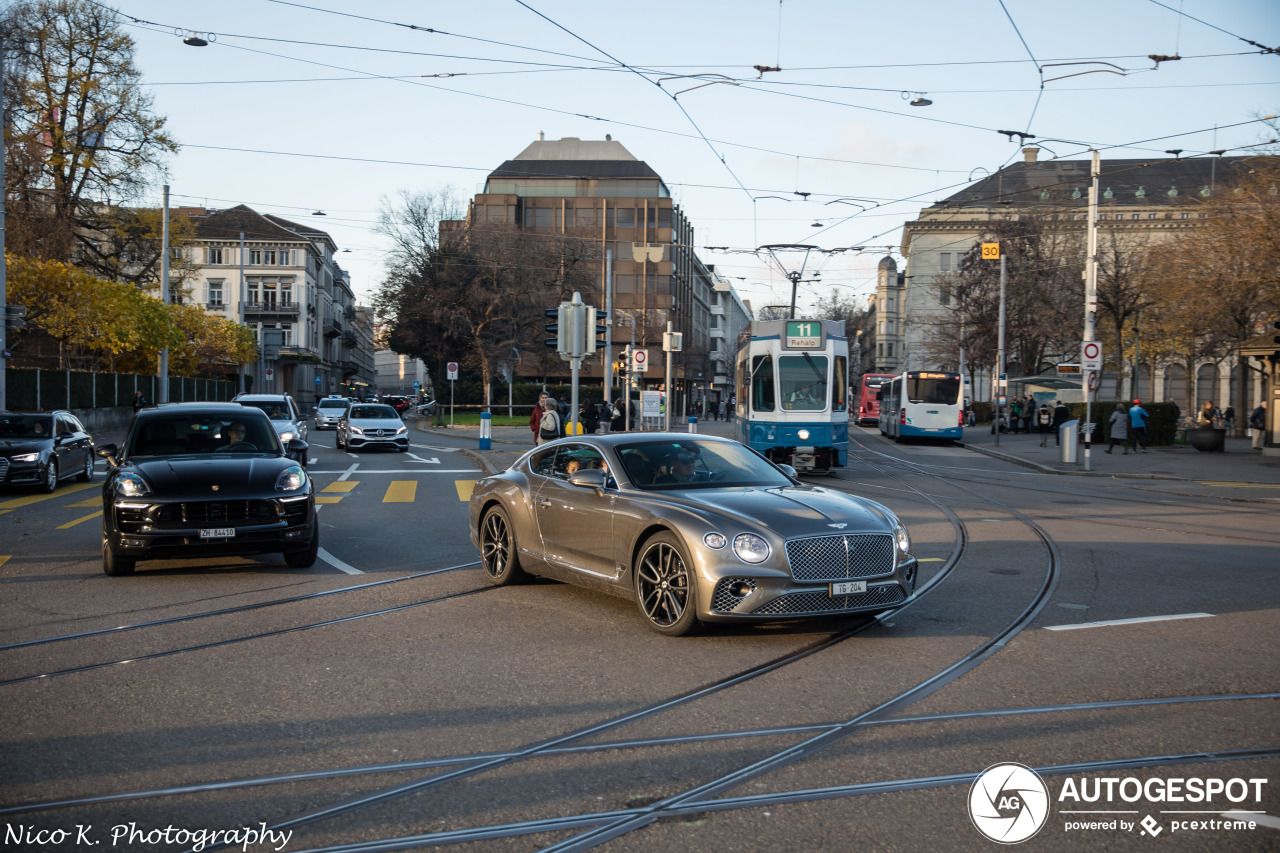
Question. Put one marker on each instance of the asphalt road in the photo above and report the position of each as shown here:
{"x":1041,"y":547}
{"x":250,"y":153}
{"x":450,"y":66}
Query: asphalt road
{"x":388,"y":698}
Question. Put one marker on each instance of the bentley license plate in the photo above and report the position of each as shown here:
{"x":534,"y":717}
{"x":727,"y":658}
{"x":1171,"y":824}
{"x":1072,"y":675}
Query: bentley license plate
{"x":220,"y":533}
{"x":848,"y":587}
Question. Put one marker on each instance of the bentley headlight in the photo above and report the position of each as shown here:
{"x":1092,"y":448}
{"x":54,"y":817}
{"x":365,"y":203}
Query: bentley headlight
{"x":904,"y":540}
{"x":25,"y":457}
{"x":127,"y":484}
{"x":286,"y":437}
{"x":750,"y":548}
{"x":291,"y":479}
{"x":715,"y":540}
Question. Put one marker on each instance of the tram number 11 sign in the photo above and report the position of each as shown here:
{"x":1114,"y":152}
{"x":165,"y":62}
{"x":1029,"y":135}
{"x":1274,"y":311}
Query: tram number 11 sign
{"x":804,"y":334}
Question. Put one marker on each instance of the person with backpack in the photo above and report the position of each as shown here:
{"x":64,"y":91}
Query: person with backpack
{"x":549,"y":427}
{"x":535,"y":416}
{"x":1258,"y":423}
{"x":1044,"y":420}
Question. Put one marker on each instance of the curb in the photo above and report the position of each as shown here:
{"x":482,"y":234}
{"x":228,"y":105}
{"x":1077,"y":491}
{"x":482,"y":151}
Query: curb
{"x":1045,"y":469}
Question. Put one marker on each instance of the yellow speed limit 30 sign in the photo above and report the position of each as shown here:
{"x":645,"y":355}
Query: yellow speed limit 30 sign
{"x":991,"y":251}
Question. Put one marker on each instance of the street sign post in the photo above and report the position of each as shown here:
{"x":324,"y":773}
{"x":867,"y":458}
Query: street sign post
{"x":1091,"y":355}
{"x":452,"y":367}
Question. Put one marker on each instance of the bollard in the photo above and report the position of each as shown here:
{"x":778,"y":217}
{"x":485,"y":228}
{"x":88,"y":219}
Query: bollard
{"x":693,"y":424}
{"x":486,"y":430}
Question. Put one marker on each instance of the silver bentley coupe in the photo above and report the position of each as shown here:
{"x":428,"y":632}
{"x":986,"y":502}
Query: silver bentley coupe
{"x":692,"y":528}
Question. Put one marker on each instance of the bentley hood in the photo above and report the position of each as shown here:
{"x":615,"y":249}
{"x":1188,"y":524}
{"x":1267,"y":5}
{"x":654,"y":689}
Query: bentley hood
{"x":792,"y":511}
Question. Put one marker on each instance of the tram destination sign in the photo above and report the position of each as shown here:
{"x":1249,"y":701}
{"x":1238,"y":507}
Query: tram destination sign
{"x":804,"y":334}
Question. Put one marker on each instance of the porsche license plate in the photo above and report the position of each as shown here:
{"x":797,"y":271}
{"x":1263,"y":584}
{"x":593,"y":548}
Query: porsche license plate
{"x":848,"y":587}
{"x":217,"y":533}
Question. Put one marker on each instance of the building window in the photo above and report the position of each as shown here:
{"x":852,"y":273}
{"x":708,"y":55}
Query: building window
{"x":944,"y":262}
{"x":213,"y":256}
{"x":880,"y":350}
{"x":255,"y":257}
{"x":1135,"y":216}
{"x":626,"y":217}
{"x":269,"y":257}
{"x":888,"y":326}
{"x":890,"y":311}
{"x":215,"y":293}
{"x":1151,"y":216}
{"x":542,"y":217}
{"x":624,"y":284}
{"x":285,"y":256}
{"x":1102,"y":217}
{"x":1186,"y":216}
{"x":287,"y":328}
{"x":889,"y":353}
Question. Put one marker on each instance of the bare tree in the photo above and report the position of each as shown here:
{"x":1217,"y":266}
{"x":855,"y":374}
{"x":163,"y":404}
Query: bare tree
{"x":85,"y":139}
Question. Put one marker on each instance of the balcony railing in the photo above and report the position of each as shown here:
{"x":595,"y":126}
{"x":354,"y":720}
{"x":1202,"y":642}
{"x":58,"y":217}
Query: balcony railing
{"x":332,"y":326}
{"x":349,"y":339}
{"x":275,"y":309}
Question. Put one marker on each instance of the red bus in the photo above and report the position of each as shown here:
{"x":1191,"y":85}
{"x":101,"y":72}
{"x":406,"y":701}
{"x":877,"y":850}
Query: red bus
{"x":868,"y":406}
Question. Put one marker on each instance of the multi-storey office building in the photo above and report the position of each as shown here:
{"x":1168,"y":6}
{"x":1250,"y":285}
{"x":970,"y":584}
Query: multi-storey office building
{"x":596,"y":190}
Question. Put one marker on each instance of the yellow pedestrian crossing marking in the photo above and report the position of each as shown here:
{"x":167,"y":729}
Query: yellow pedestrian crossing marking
{"x":401,"y":492}
{"x":464,"y":488}
{"x":341,"y":486}
{"x":78,"y":520}
{"x":4,"y":558}
{"x":328,"y":499}
{"x":85,"y":504}
{"x":1240,"y":485}
{"x":62,"y":492}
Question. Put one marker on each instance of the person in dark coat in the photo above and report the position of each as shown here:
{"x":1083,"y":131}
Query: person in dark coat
{"x":619,"y":422}
{"x":590,"y":416}
{"x":1060,"y":416}
{"x":139,"y":402}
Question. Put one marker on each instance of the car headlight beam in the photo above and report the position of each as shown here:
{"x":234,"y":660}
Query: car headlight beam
{"x":127,"y":484}
{"x":25,"y":457}
{"x":751,"y":548}
{"x":903,"y":539}
{"x":291,"y":479}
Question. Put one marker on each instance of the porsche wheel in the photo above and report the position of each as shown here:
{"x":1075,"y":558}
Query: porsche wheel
{"x":498,"y":549}
{"x":665,"y":586}
{"x":111,"y":564}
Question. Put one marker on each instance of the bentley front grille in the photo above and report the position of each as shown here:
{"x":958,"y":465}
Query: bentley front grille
{"x":730,"y":593}
{"x":819,"y":602}
{"x":834,"y":558}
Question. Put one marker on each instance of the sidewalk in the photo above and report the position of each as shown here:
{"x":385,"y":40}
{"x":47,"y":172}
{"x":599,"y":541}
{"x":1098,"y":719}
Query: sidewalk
{"x":1239,"y":464}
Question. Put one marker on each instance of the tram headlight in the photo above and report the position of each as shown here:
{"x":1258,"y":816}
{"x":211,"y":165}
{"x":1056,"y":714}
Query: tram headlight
{"x":803,"y":435}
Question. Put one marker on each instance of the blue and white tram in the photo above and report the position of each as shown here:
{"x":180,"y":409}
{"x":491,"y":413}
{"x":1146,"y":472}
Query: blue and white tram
{"x":922,"y":404}
{"x":793,"y":393}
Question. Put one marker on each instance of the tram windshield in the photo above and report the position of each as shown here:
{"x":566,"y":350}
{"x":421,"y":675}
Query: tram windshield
{"x":933,"y":388}
{"x":802,"y":379}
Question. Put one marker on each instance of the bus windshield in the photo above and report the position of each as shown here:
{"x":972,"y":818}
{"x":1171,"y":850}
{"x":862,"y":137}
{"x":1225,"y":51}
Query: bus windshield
{"x":935,"y":389}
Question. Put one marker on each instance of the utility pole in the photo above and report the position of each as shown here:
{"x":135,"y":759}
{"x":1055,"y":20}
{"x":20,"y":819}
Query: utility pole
{"x":4,"y":305}
{"x":1091,"y":298}
{"x":163,"y":396}
{"x":1000,"y":375}
{"x":240,"y":305}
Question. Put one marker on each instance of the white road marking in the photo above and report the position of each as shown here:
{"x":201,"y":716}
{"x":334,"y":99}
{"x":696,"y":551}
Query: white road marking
{"x":336,"y":563}
{"x":416,"y":458}
{"x":1136,"y":621}
{"x":408,"y":471}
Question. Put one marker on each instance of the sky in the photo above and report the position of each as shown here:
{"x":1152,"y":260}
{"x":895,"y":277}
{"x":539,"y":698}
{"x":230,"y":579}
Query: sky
{"x":333,"y":106}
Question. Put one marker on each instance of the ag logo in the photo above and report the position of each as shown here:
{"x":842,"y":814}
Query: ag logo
{"x":1008,"y":803}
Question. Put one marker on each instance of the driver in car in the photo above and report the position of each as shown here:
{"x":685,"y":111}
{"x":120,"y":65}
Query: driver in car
{"x":681,"y":469}
{"x":235,"y":435}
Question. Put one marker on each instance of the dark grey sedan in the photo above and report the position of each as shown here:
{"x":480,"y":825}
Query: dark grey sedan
{"x":692,"y":528}
{"x":41,"y":448}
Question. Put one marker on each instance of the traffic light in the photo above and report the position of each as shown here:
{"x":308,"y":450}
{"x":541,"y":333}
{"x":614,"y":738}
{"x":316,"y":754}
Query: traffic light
{"x":624,"y":360}
{"x":593,"y":329}
{"x":15,"y":316}
{"x":562,"y":328}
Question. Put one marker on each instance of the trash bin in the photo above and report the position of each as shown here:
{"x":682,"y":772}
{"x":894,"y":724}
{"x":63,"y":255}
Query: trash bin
{"x":1068,"y":441}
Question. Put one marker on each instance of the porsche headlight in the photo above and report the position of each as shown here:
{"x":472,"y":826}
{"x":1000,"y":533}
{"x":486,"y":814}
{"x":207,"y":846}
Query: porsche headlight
{"x":127,"y":484}
{"x":903,"y":539}
{"x":291,"y":479}
{"x":25,"y":457}
{"x":715,"y":540}
{"x":750,"y":548}
{"x":288,"y":436}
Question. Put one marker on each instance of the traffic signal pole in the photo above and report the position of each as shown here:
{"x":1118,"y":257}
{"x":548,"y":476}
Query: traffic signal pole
{"x":1091,"y":301}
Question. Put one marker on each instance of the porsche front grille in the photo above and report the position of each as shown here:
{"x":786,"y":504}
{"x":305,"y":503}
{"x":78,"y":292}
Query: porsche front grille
{"x":839,"y":557}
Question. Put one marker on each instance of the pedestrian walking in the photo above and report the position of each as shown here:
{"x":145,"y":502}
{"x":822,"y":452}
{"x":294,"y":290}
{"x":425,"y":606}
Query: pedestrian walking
{"x":1015,"y":415}
{"x":139,"y":402}
{"x":549,"y":428}
{"x":1119,"y":429}
{"x":590,"y":417}
{"x":1229,"y":419}
{"x":1028,"y":413}
{"x":1258,"y":423}
{"x":535,"y":416}
{"x":1206,"y":418}
{"x":619,"y":422}
{"x":722,"y":413}
{"x":1060,"y":416}
{"x":1138,"y":418}
{"x":1044,"y":420}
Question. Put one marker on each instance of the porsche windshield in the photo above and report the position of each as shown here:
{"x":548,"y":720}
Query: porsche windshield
{"x":193,"y":433}
{"x":694,"y":464}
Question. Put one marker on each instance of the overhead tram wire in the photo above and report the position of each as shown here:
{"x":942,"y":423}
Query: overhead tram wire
{"x":1264,"y":48}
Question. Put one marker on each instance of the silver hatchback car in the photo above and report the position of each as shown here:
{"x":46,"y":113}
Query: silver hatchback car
{"x":372,"y":425}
